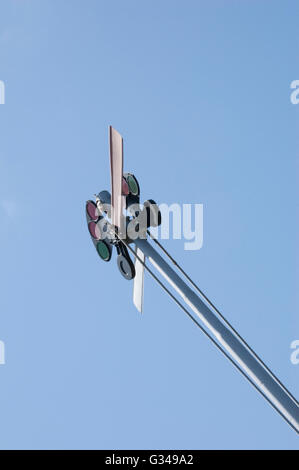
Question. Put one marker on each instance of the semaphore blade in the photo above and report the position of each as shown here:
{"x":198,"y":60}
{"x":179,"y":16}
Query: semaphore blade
{"x":139,"y":280}
{"x":116,"y":165}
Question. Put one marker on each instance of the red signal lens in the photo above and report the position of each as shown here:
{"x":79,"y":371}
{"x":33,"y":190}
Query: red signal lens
{"x":94,"y":230}
{"x":125,"y":187}
{"x":92,"y":210}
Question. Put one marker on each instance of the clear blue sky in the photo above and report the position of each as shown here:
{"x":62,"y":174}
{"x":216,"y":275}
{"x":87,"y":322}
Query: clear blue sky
{"x":200,"y":90}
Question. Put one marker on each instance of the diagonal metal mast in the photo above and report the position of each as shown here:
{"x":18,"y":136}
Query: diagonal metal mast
{"x":242,"y":357}
{"x":211,"y":305}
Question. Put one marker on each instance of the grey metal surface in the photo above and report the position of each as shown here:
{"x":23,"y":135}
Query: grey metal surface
{"x":268,"y":386}
{"x":215,"y":310}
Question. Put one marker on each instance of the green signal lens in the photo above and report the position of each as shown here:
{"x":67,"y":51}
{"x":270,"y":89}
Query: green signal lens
{"x":133,"y":185}
{"x":103,"y":250}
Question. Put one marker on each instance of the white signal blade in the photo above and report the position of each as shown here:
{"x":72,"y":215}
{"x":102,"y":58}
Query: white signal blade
{"x":116,"y":165}
{"x":139,"y":280}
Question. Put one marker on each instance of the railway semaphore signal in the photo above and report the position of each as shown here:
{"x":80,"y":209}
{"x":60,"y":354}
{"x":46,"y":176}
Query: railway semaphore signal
{"x":118,"y":222}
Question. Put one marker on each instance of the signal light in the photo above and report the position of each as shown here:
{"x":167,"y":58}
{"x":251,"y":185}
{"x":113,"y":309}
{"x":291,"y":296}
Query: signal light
{"x":154,"y":218}
{"x":124,"y":263}
{"x":125,"y":187}
{"x":92,"y":210}
{"x":94,"y":230}
{"x":132,"y":184}
{"x":104,"y":250}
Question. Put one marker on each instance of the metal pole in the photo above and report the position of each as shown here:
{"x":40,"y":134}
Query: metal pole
{"x":247,"y":362}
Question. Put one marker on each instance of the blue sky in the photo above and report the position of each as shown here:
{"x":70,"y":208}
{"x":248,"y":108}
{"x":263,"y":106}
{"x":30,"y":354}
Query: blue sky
{"x":200,"y":90}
